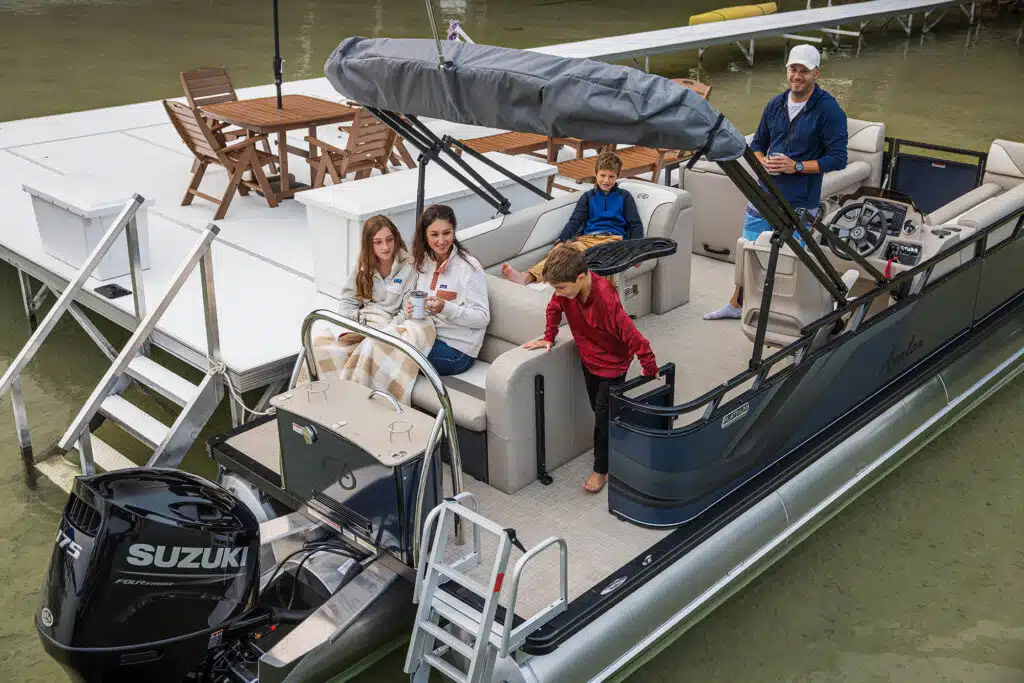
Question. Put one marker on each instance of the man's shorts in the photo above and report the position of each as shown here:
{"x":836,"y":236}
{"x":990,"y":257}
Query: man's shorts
{"x":754,"y":224}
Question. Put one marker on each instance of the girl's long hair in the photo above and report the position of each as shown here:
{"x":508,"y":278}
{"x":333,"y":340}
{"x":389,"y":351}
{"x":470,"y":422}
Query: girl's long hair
{"x":420,"y":249}
{"x":368,"y":260}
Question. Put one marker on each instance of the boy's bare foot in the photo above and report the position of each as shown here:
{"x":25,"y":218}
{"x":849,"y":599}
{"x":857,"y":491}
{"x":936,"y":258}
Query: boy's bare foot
{"x":513,"y":275}
{"x":595,"y":482}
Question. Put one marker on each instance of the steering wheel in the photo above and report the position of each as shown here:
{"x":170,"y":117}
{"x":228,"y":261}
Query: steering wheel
{"x":861,"y":227}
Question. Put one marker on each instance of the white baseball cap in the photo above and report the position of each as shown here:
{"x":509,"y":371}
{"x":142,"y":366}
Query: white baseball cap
{"x":807,"y":55}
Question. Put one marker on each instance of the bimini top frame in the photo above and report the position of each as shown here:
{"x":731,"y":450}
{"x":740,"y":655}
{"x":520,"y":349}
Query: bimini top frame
{"x":544,"y":94}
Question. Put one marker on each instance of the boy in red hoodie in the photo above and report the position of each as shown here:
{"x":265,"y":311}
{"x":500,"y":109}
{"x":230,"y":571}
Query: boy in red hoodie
{"x":605,"y":336}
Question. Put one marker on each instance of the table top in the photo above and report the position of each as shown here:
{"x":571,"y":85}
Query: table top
{"x":261,"y":115}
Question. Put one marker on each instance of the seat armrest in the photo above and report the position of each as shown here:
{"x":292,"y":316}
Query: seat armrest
{"x":738,"y":265}
{"x":512,"y":414}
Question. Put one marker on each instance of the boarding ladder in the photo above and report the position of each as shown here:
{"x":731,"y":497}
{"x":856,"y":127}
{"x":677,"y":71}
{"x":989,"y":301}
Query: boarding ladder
{"x":487,"y":640}
{"x":132,"y":363}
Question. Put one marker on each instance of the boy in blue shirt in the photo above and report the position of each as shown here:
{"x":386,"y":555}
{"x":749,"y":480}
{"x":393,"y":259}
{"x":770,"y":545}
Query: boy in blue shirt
{"x":604,"y":214}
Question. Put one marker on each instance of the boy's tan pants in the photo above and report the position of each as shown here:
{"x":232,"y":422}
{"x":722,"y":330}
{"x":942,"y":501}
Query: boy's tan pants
{"x":581,"y":243}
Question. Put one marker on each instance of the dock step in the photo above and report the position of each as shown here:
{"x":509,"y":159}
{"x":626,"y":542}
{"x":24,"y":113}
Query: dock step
{"x":165,"y":382}
{"x":108,"y":458}
{"x":134,"y":420}
{"x":62,"y":471}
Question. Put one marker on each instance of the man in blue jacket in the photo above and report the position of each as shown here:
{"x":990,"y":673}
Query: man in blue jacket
{"x":802,"y":134}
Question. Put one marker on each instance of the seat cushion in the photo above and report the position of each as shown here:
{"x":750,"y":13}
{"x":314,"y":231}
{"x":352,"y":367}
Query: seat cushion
{"x":965,"y":202}
{"x":845,"y":180}
{"x":990,"y":211}
{"x":1005,"y":164}
{"x":517,"y":312}
{"x":470,"y":412}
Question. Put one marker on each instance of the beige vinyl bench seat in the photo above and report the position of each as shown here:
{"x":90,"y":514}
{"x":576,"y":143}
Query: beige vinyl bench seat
{"x":494,"y":402}
{"x":523,"y":238}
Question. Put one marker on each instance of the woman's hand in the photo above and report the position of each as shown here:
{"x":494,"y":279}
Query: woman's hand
{"x":408,"y":309}
{"x":434,"y":304}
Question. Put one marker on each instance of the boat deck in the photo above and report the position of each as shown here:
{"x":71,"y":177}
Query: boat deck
{"x":705,"y":353}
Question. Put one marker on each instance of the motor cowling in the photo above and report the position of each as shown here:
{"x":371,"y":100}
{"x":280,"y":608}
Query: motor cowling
{"x":149,"y":566}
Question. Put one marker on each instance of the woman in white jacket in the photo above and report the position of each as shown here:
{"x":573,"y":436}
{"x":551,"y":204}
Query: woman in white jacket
{"x":456,"y":291}
{"x":383,"y":276}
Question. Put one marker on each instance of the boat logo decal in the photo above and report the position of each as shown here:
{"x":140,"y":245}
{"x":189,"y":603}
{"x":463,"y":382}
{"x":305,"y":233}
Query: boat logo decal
{"x":898,"y":358}
{"x":178,"y":557}
{"x":647,"y":561}
{"x":614,"y":585}
{"x":66,"y":543}
{"x":737,"y":414}
{"x":46,"y":616}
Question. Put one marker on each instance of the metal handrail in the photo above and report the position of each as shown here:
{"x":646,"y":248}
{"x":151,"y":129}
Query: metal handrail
{"x":67,"y":297}
{"x":421,"y":490}
{"x":421,"y":563}
{"x":425,"y":367}
{"x":198,"y":255}
{"x":11,"y":379}
{"x":712,"y":398}
{"x":512,"y":640}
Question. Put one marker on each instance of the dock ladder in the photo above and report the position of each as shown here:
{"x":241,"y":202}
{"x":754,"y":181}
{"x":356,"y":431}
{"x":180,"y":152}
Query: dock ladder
{"x":487,"y":640}
{"x":132,"y":363}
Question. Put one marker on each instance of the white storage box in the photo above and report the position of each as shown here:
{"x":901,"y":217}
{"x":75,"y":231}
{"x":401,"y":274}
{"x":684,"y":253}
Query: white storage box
{"x":74,"y":211}
{"x":336,"y":213}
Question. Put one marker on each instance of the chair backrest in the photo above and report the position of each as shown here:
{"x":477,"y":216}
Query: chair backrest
{"x":798,"y":299}
{"x":866,"y":142}
{"x":194,"y":132}
{"x":370,"y":141}
{"x":1005,"y":164}
{"x":208,"y":85}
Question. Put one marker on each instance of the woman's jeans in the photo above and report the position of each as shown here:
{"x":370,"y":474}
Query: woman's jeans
{"x":448,"y":361}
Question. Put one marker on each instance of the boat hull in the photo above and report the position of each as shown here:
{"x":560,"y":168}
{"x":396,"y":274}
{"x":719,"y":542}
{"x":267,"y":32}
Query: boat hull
{"x":674,"y":600}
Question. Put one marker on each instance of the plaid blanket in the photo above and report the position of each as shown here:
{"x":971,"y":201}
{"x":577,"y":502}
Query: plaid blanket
{"x":372,"y":364}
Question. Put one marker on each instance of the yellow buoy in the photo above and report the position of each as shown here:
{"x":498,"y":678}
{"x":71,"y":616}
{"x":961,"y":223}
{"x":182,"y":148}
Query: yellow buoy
{"x":738,"y":12}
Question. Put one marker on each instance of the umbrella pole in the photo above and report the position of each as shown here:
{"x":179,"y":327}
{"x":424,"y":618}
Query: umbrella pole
{"x":277,"y":57}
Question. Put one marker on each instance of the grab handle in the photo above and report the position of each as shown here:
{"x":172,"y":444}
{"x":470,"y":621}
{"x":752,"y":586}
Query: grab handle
{"x":391,"y":399}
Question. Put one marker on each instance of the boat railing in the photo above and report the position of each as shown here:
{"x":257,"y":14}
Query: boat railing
{"x":125,"y":222}
{"x":443,"y":423}
{"x":914,"y":279}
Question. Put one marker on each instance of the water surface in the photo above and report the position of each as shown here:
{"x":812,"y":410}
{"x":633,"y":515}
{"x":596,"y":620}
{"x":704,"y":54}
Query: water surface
{"x":917,"y":581}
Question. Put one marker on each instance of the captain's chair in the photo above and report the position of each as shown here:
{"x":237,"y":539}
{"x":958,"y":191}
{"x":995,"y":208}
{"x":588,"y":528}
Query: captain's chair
{"x":798,"y":299}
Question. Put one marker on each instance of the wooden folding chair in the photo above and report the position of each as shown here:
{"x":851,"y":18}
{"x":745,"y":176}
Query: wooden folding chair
{"x":212,"y":85}
{"x":209,"y":149}
{"x":370,"y":146}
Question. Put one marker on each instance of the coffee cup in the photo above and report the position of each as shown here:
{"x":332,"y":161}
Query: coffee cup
{"x":419,"y":304}
{"x":775,"y":154}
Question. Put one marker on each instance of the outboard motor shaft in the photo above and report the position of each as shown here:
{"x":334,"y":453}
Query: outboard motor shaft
{"x":149,"y":568}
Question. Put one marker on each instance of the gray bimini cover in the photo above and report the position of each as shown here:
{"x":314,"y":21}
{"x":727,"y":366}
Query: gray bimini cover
{"x":529,"y":92}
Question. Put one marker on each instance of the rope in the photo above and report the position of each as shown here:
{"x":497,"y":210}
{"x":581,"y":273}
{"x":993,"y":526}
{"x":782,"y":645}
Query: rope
{"x":218,"y":368}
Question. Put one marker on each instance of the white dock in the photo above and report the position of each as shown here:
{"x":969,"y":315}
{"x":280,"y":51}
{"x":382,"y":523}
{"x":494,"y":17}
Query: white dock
{"x":263,"y":258}
{"x":687,"y":38}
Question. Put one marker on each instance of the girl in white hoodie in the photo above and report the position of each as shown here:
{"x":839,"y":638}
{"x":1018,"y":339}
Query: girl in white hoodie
{"x":378,"y":285}
{"x":456,"y":291}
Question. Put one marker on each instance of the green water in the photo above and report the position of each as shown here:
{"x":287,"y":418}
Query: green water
{"x":916,"y":581}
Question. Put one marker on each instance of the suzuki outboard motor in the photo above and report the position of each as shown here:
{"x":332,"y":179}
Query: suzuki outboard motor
{"x":149,"y":568}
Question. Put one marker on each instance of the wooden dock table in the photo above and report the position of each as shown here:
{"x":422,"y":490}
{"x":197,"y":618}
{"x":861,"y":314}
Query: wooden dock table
{"x":297,"y":112}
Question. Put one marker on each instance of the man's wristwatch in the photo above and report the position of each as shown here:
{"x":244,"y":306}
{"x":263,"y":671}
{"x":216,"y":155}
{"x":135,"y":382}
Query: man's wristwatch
{"x":799,"y":167}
